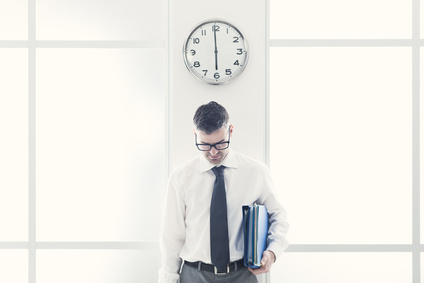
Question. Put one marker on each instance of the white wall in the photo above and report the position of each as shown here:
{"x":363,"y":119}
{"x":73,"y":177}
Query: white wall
{"x":244,"y":98}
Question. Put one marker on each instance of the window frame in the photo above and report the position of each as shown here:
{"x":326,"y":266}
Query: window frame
{"x":416,"y":249}
{"x":32,"y":45}
{"x":415,"y":43}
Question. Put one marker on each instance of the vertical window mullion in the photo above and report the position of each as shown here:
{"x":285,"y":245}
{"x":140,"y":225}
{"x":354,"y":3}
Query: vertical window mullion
{"x":31,"y":142}
{"x":416,"y":201}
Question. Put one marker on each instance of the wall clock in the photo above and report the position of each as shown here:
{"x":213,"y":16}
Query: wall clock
{"x":215,"y":52}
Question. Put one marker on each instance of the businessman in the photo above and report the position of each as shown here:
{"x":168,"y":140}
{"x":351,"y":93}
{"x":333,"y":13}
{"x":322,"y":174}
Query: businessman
{"x":201,"y":236}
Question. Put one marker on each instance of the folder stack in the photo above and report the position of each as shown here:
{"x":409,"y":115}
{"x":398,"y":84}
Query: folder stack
{"x":255,"y":230}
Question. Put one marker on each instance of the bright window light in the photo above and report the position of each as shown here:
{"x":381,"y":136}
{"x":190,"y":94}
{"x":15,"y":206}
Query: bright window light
{"x":341,"y":143}
{"x":340,"y":19}
{"x":14,"y":20}
{"x":13,"y":145}
{"x":111,"y":266}
{"x":14,"y":266}
{"x":105,"y":20}
{"x":343,"y":267}
{"x":100,"y":144}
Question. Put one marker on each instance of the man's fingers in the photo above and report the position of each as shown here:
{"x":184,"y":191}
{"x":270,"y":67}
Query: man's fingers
{"x":266,"y":264}
{"x":265,"y":259}
{"x":265,"y":268}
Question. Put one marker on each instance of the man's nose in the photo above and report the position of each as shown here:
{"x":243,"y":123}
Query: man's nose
{"x":213,"y":150}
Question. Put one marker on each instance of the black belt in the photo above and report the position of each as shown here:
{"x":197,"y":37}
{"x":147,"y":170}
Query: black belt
{"x":231,"y":267}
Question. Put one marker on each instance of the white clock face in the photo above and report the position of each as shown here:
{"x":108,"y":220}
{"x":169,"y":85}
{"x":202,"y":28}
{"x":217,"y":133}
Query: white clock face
{"x":215,"y":52}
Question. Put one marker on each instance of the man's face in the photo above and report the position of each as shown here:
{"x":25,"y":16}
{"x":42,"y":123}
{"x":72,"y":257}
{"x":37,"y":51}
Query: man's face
{"x":213,"y":155}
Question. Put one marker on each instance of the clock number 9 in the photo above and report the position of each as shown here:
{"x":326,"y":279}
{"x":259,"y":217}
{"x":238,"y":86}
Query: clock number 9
{"x":193,"y":52}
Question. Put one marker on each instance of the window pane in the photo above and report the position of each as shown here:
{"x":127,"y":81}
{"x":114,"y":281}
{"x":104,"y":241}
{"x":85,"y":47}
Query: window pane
{"x":100,"y":20}
{"x":13,"y":145}
{"x":341,"y":143}
{"x":14,"y":20}
{"x":343,"y":267}
{"x":14,"y":266}
{"x":340,"y":19}
{"x":100,"y":144}
{"x":97,"y":266}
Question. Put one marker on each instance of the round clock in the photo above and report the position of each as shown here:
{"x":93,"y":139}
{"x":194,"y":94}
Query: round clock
{"x":215,"y":52}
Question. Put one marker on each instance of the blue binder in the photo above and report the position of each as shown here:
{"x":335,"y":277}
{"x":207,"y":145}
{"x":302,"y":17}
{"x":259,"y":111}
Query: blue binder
{"x":255,"y":231}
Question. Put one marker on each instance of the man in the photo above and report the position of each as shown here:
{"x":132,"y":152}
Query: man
{"x":202,"y":220}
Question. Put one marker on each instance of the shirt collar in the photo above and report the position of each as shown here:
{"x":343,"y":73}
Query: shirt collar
{"x":230,"y":161}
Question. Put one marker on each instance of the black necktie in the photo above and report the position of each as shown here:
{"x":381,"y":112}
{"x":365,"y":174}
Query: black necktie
{"x":220,"y":252}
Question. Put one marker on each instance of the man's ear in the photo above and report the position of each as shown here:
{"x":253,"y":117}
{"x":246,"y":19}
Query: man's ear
{"x":231,"y":130}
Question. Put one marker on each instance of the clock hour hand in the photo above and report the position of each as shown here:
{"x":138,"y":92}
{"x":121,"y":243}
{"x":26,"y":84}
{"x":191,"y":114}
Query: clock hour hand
{"x":216,"y":49}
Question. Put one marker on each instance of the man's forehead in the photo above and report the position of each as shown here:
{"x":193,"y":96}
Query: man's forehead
{"x":216,"y":136}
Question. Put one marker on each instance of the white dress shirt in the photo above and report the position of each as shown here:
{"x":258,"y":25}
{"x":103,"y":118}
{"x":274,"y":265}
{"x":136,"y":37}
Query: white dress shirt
{"x":185,"y":224}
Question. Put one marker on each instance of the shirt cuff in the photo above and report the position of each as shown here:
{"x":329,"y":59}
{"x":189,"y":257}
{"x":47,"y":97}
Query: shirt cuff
{"x":166,"y":277}
{"x":277,"y":248}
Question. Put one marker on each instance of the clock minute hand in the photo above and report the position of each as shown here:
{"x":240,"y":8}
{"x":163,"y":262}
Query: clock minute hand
{"x":216,"y":49}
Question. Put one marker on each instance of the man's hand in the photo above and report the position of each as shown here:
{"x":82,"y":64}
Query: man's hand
{"x":268,"y":258}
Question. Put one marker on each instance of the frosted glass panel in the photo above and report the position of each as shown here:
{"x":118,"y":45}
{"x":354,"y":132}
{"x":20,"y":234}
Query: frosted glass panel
{"x":342,"y":267}
{"x":97,"y":266}
{"x":100,"y":144}
{"x":14,"y":20}
{"x":100,"y":20}
{"x":14,"y":266}
{"x":13,"y":145}
{"x":340,"y":149}
{"x":340,"y":19}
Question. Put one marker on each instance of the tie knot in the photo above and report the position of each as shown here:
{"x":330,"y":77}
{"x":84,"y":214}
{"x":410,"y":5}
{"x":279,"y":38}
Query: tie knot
{"x":218,"y":171}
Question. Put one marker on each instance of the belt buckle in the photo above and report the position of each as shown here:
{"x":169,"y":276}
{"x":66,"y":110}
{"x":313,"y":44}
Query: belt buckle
{"x":221,"y":273}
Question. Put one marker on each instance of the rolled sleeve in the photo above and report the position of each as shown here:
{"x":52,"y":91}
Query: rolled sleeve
{"x":278,"y":225}
{"x":172,"y":234}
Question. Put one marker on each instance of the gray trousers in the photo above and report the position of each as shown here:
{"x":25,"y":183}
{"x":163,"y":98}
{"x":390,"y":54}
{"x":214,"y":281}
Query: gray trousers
{"x":193,"y":275}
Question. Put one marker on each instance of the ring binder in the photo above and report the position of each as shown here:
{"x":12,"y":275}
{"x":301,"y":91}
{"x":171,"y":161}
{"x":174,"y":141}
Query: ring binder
{"x":255,"y":231}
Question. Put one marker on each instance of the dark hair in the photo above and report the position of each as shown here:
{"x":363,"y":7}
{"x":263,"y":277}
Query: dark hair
{"x":210,"y":117}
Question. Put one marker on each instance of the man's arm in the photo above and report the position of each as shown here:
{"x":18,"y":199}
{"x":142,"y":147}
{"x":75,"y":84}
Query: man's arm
{"x":278,"y":225}
{"x":172,"y":234}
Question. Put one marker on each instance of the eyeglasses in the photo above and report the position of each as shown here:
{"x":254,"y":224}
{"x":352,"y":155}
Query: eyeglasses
{"x":218,"y":146}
